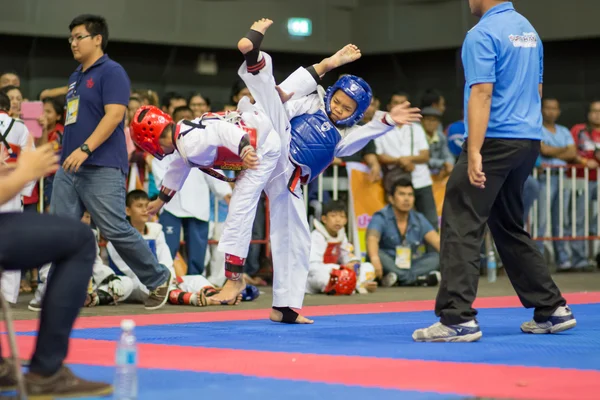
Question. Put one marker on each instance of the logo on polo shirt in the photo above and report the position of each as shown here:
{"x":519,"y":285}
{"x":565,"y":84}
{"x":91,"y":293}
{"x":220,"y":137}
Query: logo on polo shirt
{"x":90,"y":83}
{"x":527,"y":39}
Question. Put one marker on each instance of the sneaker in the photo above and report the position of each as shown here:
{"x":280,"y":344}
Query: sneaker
{"x":561,"y":320}
{"x":431,"y":279}
{"x":389,"y":279}
{"x":34,"y":305}
{"x":159,"y":296}
{"x":438,"y":332}
{"x":63,"y":384}
{"x":8,"y":380}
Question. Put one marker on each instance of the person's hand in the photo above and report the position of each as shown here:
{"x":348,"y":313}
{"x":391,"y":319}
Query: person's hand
{"x":155,"y":206}
{"x":406,"y":164}
{"x":74,"y":161}
{"x":39,"y":162}
{"x":476,"y":175}
{"x":116,"y":288}
{"x":591,"y":163}
{"x":43,"y":121}
{"x":337,"y":161}
{"x":405,"y":114}
{"x":375,"y":173}
{"x":283,"y":95}
{"x":376,"y":262}
{"x":6,"y":169}
{"x":250,"y":159}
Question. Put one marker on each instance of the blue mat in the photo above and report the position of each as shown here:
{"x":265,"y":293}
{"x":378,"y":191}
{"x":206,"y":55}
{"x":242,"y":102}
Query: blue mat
{"x":156,"y":384}
{"x":389,"y":335}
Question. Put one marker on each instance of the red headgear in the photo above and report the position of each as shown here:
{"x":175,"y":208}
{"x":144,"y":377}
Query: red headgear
{"x":341,"y":281}
{"x":147,"y":125}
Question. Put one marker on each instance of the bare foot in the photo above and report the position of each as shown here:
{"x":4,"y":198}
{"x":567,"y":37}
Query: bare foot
{"x":230,"y":291}
{"x":245,"y":45}
{"x":211,"y":301}
{"x":370,"y":286}
{"x":277,"y":316}
{"x":345,"y":55}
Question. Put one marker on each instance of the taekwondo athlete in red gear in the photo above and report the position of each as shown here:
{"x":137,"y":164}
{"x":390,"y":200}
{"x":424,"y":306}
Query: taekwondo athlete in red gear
{"x":314,"y":128}
{"x":14,"y":138}
{"x":243,"y":137}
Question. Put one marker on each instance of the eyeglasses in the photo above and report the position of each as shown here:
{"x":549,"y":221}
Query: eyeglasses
{"x":78,"y":38}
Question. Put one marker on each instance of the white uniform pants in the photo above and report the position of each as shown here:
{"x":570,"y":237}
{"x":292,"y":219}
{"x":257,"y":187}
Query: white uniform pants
{"x":193,"y":283}
{"x":217,"y":258}
{"x":319,"y":274}
{"x":290,"y":235}
{"x":237,"y":231}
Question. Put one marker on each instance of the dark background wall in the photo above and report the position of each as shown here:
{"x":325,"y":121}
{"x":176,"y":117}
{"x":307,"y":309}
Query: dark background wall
{"x":572,"y":70}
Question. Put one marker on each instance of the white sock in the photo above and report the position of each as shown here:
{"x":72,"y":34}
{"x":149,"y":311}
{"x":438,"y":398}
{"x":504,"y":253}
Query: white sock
{"x":470,"y":324}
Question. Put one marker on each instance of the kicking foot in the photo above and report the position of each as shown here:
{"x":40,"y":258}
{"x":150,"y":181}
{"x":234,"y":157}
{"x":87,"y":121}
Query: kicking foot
{"x":345,"y":55}
{"x":288,"y":316}
{"x":230,"y":292}
{"x":245,"y":45}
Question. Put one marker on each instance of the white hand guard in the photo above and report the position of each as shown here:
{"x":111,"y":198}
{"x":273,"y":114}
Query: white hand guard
{"x":116,"y":288}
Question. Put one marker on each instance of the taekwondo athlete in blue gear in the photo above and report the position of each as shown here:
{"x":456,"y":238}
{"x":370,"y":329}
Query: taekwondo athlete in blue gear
{"x":307,"y":124}
{"x":313,"y":138}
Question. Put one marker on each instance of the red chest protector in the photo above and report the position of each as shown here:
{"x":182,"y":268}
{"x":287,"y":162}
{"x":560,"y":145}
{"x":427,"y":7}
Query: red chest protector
{"x":225,"y":158}
{"x":332,"y":253}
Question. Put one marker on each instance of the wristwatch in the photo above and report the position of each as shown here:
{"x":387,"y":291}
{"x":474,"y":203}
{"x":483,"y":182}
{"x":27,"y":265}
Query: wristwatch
{"x":84,"y":147}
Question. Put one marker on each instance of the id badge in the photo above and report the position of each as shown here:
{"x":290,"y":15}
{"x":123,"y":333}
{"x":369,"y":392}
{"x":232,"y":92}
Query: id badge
{"x":403,"y":257}
{"x":72,"y":110}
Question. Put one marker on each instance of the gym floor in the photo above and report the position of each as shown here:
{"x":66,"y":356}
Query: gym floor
{"x":359,"y":347}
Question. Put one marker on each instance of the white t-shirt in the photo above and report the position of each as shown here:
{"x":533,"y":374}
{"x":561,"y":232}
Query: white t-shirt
{"x":408,"y":140}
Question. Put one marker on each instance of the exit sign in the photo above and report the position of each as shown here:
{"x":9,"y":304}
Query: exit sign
{"x":299,"y":27}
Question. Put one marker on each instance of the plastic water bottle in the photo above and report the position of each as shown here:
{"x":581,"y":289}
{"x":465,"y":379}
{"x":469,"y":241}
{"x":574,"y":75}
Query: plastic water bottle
{"x":491,"y":267}
{"x":126,"y":383}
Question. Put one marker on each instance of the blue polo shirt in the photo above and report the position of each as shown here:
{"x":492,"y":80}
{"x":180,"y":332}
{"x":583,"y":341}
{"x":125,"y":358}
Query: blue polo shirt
{"x":384,"y":222}
{"x":504,"y":49}
{"x":105,"y":82}
{"x":561,"y":138}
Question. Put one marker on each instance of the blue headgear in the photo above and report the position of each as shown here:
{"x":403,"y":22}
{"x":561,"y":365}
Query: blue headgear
{"x":456,"y":137}
{"x":358,"y":90}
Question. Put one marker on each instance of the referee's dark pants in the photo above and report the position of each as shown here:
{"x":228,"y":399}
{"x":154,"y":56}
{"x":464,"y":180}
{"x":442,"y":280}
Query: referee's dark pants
{"x":506,"y":164}
{"x":29,"y":240}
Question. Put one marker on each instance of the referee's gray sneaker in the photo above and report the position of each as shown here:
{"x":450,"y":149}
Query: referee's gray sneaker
{"x":438,"y":332}
{"x":561,"y":320}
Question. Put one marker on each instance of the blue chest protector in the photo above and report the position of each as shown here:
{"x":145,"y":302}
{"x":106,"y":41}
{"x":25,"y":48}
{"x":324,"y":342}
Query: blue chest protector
{"x":313,"y":142}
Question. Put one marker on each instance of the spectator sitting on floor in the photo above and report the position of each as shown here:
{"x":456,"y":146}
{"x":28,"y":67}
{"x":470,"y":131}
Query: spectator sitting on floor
{"x":189,"y":289}
{"x":333,"y":268}
{"x":396,"y":241}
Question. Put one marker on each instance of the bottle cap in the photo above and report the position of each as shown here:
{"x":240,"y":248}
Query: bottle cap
{"x":127,"y":324}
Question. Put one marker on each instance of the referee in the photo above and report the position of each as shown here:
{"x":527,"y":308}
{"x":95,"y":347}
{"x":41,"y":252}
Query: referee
{"x":503,"y":61}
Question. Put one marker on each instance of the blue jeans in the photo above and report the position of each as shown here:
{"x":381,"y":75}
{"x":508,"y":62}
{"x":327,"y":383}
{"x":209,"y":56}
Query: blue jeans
{"x":101,"y":192}
{"x":560,"y":246}
{"x":195,"y":234}
{"x":419,"y":266}
{"x":578,"y":248}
